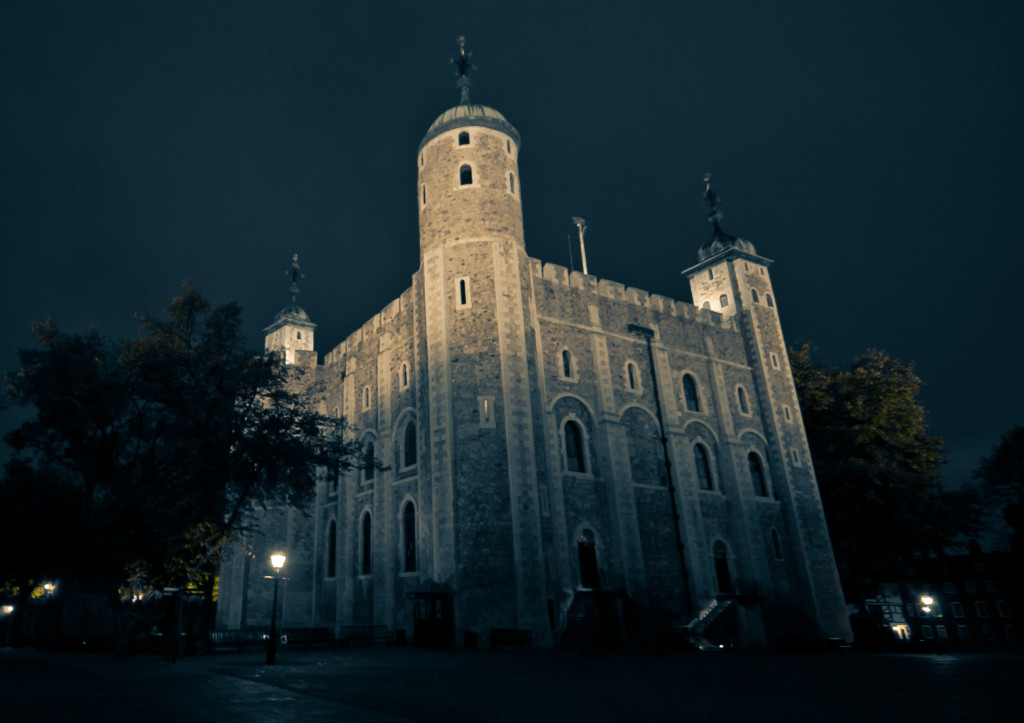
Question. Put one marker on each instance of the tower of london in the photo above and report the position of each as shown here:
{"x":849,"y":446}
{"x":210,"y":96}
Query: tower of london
{"x":544,"y":447}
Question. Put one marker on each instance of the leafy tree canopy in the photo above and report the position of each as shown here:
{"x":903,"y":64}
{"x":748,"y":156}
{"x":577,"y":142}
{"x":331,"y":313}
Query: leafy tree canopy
{"x":1001,"y":476}
{"x":878,"y":469}
{"x":160,"y":444}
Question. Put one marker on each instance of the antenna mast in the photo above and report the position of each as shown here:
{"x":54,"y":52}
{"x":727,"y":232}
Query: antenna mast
{"x":582,"y":226}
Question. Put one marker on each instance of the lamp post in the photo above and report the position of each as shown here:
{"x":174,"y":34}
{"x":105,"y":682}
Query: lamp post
{"x":277,"y":562}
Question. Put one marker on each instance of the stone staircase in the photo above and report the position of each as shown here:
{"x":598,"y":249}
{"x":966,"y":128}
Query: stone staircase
{"x":699,"y":625}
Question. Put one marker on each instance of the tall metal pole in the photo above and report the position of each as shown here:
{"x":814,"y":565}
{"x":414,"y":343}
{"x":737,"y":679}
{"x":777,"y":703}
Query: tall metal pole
{"x":272,"y":642}
{"x":582,"y":226}
{"x":648,"y":334}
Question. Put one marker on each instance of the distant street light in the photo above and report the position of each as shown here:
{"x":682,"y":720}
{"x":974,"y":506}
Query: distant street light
{"x":277,"y":561}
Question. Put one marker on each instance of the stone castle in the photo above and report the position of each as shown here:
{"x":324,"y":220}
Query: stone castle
{"x":544,"y":448}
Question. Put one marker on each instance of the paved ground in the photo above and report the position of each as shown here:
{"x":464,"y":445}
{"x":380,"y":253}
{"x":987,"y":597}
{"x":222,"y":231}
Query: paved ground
{"x":396,"y":684}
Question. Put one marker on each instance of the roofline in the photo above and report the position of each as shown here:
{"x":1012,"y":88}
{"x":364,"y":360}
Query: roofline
{"x":470,"y":122}
{"x":724,"y":256}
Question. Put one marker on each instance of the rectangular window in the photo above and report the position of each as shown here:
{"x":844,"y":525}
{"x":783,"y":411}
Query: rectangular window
{"x":991,"y":586}
{"x":1004,"y":608}
{"x":941,"y":632}
{"x":958,"y":609}
{"x":926,"y":632}
{"x":962,"y":632}
{"x":981,"y":609}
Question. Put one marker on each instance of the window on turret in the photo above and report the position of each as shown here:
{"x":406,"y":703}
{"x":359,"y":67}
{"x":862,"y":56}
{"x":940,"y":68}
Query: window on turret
{"x":508,"y":146}
{"x":775,"y":360}
{"x":298,"y":335}
{"x":785,"y":411}
{"x":753,"y":295}
{"x":463,"y":139}
{"x":512,"y":182}
{"x":768,"y":300}
{"x":690,"y":393}
{"x":424,"y":195}
{"x":711,"y":274}
{"x":741,"y":399}
{"x":466,"y":176}
{"x":462,"y":296}
{"x":723,"y":300}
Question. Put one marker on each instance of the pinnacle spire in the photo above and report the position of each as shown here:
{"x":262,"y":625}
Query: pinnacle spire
{"x":296,"y":275}
{"x":462,"y":68}
{"x":714,"y":213}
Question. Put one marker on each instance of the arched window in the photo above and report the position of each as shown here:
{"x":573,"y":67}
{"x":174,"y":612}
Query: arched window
{"x":723,"y":300}
{"x":632,"y":376}
{"x":366,"y":398}
{"x":463,"y":139}
{"x":703,"y":462}
{"x":332,"y":548}
{"x":409,"y":447}
{"x":465,"y":175}
{"x":566,"y":363}
{"x":768,"y":300}
{"x":405,"y":375}
{"x":690,"y":393}
{"x":706,"y":305}
{"x":575,"y":457}
{"x":741,"y":398}
{"x":512,"y":182}
{"x":298,"y":335}
{"x":366,"y":567}
{"x":757,"y":475}
{"x":409,"y":537}
{"x":753,"y":294}
{"x":369,"y":462}
{"x":776,"y":544}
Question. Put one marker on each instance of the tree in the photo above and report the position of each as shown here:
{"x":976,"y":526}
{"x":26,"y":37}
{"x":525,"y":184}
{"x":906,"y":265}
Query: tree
{"x":878,"y":469}
{"x":1001,"y":476}
{"x":170,"y":439}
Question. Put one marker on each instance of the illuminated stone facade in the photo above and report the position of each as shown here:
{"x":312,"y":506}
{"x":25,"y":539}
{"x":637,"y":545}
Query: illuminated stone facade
{"x":512,"y":411}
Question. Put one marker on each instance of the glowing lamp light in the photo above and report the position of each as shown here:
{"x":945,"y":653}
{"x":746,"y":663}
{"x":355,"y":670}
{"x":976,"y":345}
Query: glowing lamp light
{"x":7,"y":609}
{"x":277,"y":561}
{"x":927,"y":599}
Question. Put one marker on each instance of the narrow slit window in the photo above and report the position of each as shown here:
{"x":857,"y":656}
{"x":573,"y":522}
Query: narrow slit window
{"x":566,"y":363}
{"x":409,"y":536}
{"x":703,"y":463}
{"x":508,"y":146}
{"x":753,"y":295}
{"x":511,"y":183}
{"x":424,"y":195}
{"x":466,"y":176}
{"x":405,"y":375}
{"x":768,"y":300}
{"x":366,"y":567}
{"x":463,"y":293}
{"x":741,"y":398}
{"x":631,"y":375}
{"x":711,"y":274}
{"x":690,"y":393}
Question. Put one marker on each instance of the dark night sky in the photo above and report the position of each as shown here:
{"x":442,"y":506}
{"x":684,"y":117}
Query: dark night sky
{"x":872,"y":149}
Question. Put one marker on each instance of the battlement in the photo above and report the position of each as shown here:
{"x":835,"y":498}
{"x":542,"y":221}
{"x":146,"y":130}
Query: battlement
{"x":620,"y":292}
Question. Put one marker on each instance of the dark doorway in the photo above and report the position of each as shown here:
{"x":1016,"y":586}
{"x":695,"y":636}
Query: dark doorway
{"x":589,"y":576}
{"x":433,"y":620}
{"x":722,"y":568}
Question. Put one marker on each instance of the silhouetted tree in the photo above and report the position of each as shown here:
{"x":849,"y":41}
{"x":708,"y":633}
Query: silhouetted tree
{"x":878,"y":469}
{"x":169,"y":440}
{"x":1001,"y":477}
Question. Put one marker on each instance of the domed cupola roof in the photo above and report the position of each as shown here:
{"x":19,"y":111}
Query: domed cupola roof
{"x":720,"y":240}
{"x":467,"y":113}
{"x":293,"y":313}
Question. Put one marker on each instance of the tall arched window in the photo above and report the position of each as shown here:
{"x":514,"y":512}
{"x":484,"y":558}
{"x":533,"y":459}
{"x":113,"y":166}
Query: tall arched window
{"x":768,"y":300}
{"x":566,"y":363}
{"x":465,"y":176}
{"x":741,"y":397}
{"x":369,"y":461}
{"x":332,"y":548}
{"x":366,"y":567}
{"x":757,"y":475}
{"x":753,"y":295}
{"x":575,"y":457}
{"x":690,"y":393}
{"x":405,"y":375}
{"x":409,"y":537}
{"x":632,"y":376}
{"x":703,"y":462}
{"x":409,"y":446}
{"x":463,"y":139}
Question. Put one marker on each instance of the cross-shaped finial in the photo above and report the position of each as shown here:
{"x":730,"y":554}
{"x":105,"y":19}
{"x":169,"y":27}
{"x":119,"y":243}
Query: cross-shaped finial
{"x":714,"y":215}
{"x":296,"y":275}
{"x":462,"y":68}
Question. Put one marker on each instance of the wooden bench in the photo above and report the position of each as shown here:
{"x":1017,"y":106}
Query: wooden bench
{"x":308,"y":637}
{"x":363,"y":635}
{"x":239,"y":640}
{"x":511,"y":638}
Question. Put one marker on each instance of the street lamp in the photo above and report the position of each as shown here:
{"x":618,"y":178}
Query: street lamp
{"x":277,"y":562}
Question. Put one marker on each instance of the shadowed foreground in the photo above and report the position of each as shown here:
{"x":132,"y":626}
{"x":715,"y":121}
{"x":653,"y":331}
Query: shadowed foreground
{"x":411,"y":684}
